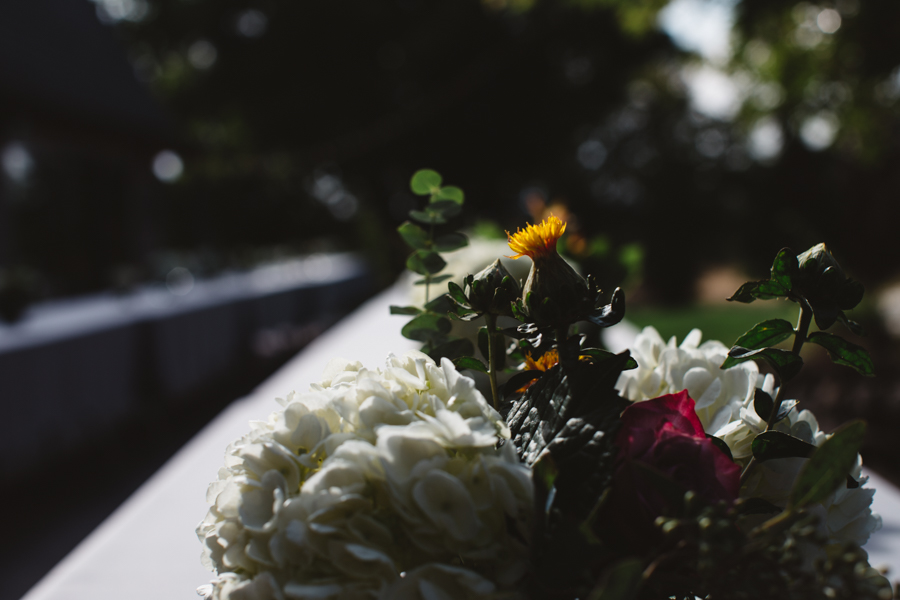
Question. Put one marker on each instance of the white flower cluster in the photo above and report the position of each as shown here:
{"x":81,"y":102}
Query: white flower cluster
{"x":374,"y":484}
{"x":724,"y":403}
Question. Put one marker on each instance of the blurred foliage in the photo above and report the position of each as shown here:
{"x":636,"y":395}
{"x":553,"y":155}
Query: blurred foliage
{"x":304,"y":120}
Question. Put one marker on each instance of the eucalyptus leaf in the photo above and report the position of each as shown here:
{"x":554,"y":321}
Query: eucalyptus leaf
{"x":425,"y":262}
{"x":829,"y":466}
{"x":453,"y":349}
{"x":450,"y":241}
{"x":469,"y":362}
{"x":405,"y":310}
{"x":427,"y":216}
{"x":446,"y":208}
{"x":441,"y":305}
{"x":785,"y":363}
{"x":450,"y":192}
{"x":774,"y":444}
{"x":767,"y":333}
{"x":427,"y":327}
{"x":425,"y":182}
{"x":415,"y":236}
{"x":843,"y":352}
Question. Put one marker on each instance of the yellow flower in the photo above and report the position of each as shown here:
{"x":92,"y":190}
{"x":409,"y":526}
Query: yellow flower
{"x":537,"y":241}
{"x":543,"y":363}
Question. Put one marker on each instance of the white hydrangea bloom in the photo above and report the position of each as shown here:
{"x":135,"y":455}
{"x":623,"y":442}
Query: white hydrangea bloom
{"x":371,"y":484}
{"x":667,"y":368}
{"x":725,"y":408}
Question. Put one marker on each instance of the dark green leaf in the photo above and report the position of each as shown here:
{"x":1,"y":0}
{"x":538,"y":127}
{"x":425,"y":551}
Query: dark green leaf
{"x":721,"y":445}
{"x":453,"y":349}
{"x":829,"y":466}
{"x":774,"y":444}
{"x":785,"y":363}
{"x":450,"y":242}
{"x":767,"y":333}
{"x":514,"y":383}
{"x":426,"y":327}
{"x":468,"y":362}
{"x":414,"y":235}
{"x":405,"y":310}
{"x":843,"y":352}
{"x":850,"y":294}
{"x":784,"y":268}
{"x":425,"y":182}
{"x":450,"y":192}
{"x":425,"y":262}
{"x":598,"y":355}
{"x":851,"y":325}
{"x":441,"y":305}
{"x":445,"y":208}
{"x":433,"y":280}
{"x":622,"y":581}
{"x":756,"y":506}
{"x":483,"y":342}
{"x":457,"y":293}
{"x":767,"y":290}
{"x":427,"y":216}
{"x":745,"y":293}
{"x":762,"y":404}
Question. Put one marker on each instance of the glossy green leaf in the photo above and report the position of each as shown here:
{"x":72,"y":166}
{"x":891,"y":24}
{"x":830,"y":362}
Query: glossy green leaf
{"x":427,"y":327}
{"x":785,"y":363}
{"x":762,"y":404}
{"x":425,"y":262}
{"x":768,"y":290}
{"x":425,"y":182}
{"x":844,"y":353}
{"x":450,"y":193}
{"x":829,"y":466}
{"x":450,"y":242}
{"x":784,"y":268}
{"x":774,"y":444}
{"x":414,"y":235}
{"x":765,"y":334}
{"x":745,"y":293}
{"x":457,"y":293}
{"x":721,"y":445}
{"x":469,"y":362}
{"x":621,"y":581}
{"x":405,"y":310}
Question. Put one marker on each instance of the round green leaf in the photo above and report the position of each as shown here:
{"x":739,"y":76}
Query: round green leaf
{"x":414,"y":235}
{"x":425,"y":182}
{"x":425,"y":262}
{"x":450,"y":193}
{"x":426,"y":327}
{"x":450,"y":242}
{"x":445,"y":208}
{"x":427,"y":216}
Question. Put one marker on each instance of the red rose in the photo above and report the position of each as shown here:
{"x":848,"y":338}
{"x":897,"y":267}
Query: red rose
{"x":665,"y":433}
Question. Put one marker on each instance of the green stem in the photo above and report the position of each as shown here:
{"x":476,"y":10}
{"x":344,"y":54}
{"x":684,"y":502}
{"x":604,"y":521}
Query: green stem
{"x":806,"y":314}
{"x":492,"y":367}
{"x":428,"y":275}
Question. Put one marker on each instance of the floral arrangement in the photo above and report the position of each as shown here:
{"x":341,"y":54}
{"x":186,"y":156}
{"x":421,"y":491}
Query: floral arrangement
{"x":667,"y":471}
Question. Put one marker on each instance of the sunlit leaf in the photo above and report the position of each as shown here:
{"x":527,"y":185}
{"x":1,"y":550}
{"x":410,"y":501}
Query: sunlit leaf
{"x":425,"y":182}
{"x":469,"y":362}
{"x":450,"y":193}
{"x":767,"y":333}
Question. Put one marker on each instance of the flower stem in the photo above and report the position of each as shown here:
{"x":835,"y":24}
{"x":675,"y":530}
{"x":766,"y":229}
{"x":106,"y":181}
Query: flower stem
{"x":800,"y":334}
{"x":492,"y":367}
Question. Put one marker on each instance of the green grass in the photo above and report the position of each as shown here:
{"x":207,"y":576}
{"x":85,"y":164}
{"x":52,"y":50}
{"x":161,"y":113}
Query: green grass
{"x":719,"y":322}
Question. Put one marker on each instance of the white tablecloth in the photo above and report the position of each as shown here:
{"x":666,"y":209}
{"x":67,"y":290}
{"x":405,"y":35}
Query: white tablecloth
{"x":147,"y":550}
